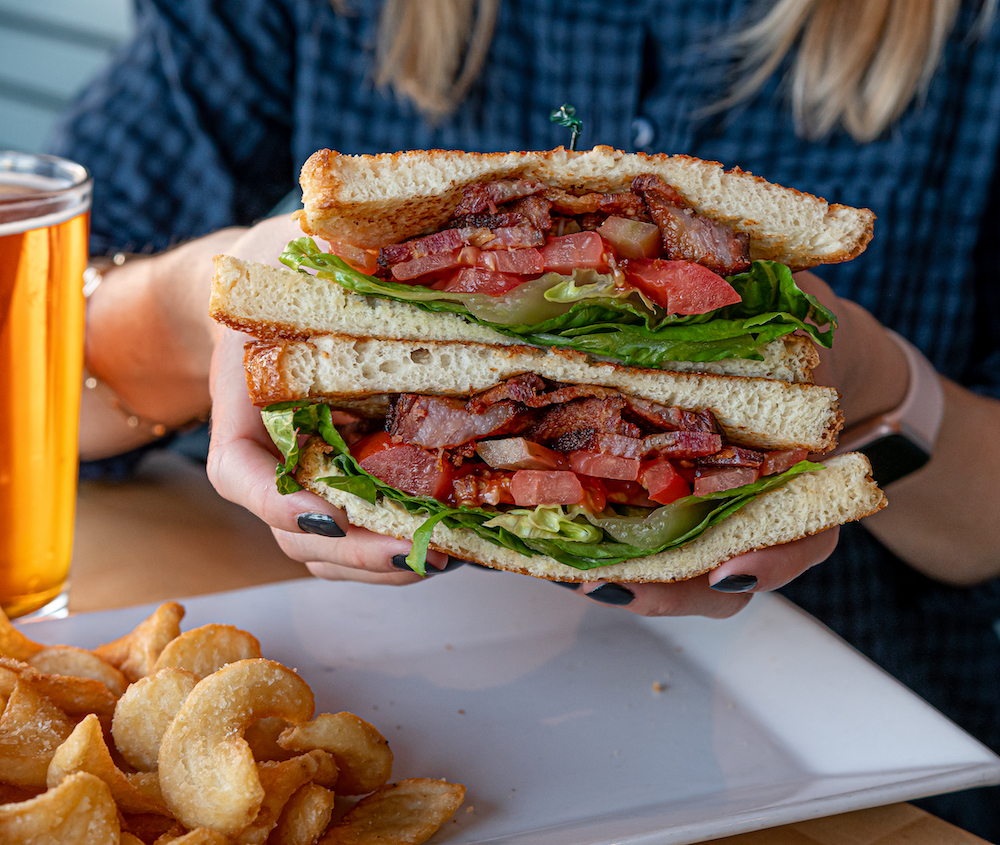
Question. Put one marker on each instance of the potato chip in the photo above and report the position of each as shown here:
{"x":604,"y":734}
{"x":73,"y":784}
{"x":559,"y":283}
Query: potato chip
{"x":31,"y":729}
{"x":136,"y":652}
{"x":74,"y":696}
{"x":208,"y":648}
{"x":404,"y":813}
{"x":280,"y":780}
{"x":129,"y":839}
{"x":305,"y":816}
{"x":77,"y":663}
{"x":207,"y":772}
{"x":144,"y":712}
{"x":86,"y":751}
{"x":361,"y":753}
{"x":13,"y":643}
{"x":80,"y":810}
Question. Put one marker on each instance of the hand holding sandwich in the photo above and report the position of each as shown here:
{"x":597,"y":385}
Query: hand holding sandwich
{"x":548,"y":461}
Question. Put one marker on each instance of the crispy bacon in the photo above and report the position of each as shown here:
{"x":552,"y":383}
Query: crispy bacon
{"x":435,"y":422}
{"x":485,"y":196}
{"x":447,"y":240}
{"x":625,"y":204}
{"x":673,"y":419}
{"x":603,"y":414}
{"x":530,"y":211}
{"x":514,"y":237}
{"x":733,"y":456}
{"x":687,"y":236}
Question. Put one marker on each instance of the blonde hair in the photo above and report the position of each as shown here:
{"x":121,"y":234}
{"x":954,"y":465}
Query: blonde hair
{"x":856,"y":64}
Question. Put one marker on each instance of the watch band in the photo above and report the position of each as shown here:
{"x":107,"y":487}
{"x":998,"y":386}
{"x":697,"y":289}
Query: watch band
{"x":914,"y":423}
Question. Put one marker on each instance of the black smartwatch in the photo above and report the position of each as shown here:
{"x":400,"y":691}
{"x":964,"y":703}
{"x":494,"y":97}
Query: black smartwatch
{"x":901,"y":441}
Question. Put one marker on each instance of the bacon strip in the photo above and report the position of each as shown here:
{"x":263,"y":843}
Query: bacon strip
{"x":488,"y":195}
{"x":435,"y":422}
{"x":733,"y":456}
{"x":530,"y":211}
{"x":687,"y":236}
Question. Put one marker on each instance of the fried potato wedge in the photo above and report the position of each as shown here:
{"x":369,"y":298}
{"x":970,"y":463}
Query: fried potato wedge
{"x":404,"y":813}
{"x":207,"y":772}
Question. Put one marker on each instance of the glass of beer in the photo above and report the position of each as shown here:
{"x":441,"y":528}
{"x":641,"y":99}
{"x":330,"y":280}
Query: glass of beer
{"x":44,"y":221}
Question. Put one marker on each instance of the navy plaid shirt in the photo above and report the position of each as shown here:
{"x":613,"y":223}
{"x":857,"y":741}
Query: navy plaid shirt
{"x":204,"y":119}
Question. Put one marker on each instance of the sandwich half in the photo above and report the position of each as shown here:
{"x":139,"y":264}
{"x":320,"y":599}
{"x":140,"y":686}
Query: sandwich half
{"x":547,"y":463}
{"x":653,"y":261}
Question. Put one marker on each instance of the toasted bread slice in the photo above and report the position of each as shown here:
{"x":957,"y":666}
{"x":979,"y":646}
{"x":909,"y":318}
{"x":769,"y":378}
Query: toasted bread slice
{"x":269,"y":302}
{"x":809,"y":503}
{"x":361,"y":374}
{"x":372,"y":201}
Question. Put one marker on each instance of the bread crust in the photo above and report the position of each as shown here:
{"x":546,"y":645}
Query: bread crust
{"x":372,"y":201}
{"x":360,"y":374}
{"x":809,"y":503}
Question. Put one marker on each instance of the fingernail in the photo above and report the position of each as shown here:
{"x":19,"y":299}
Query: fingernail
{"x":320,"y":523}
{"x":736,"y":584}
{"x":399,"y":561}
{"x":569,"y":585}
{"x":612,"y":594}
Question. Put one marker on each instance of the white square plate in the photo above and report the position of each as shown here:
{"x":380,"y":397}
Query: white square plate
{"x":573,"y":724}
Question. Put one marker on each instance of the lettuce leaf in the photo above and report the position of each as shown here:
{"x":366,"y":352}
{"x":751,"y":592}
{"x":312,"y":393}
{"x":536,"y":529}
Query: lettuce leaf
{"x":584,"y":315}
{"x":291,"y":421}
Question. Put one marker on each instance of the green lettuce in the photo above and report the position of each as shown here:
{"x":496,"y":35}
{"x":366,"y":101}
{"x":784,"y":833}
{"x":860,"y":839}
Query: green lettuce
{"x":543,"y":530}
{"x":586,"y":314}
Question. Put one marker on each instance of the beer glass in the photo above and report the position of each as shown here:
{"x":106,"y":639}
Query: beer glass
{"x":44,"y":220}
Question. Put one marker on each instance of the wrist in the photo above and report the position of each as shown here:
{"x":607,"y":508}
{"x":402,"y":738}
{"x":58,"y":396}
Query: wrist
{"x":870,"y":370}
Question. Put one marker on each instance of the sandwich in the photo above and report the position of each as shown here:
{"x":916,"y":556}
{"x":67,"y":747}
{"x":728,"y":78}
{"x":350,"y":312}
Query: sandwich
{"x":654,"y":261}
{"x":532,"y":402}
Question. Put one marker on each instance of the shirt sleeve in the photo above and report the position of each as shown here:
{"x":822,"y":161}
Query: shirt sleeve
{"x":189,"y":128}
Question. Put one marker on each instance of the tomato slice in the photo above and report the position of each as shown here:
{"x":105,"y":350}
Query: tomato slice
{"x":427,"y":268}
{"x":662,"y":481}
{"x":523,"y":262}
{"x":680,"y":287}
{"x":713,"y":480}
{"x":626,"y":493}
{"x":775,"y":462}
{"x":518,"y":453}
{"x":364,"y":260}
{"x":403,"y":466}
{"x":579,"y":251}
{"x":588,"y":462}
{"x":480,"y":280}
{"x":531,"y":487}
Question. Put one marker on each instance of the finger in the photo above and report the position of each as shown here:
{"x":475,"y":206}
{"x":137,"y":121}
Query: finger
{"x":358,"y":549}
{"x":776,"y":566}
{"x":679,"y":598}
{"x":241,"y":466}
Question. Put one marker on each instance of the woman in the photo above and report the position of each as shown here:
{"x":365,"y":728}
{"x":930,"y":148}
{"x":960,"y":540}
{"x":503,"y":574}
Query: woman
{"x":889,"y":104}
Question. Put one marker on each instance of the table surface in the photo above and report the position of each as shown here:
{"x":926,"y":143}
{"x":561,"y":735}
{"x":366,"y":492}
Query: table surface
{"x":166,"y":533}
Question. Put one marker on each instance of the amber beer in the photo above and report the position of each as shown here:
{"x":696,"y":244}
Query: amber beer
{"x":44,"y":217}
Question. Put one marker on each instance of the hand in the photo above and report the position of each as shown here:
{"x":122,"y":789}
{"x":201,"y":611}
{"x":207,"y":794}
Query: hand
{"x":772,"y":568}
{"x":241,"y":465}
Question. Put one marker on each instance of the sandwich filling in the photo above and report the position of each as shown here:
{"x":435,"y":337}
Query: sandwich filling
{"x":636,"y":276}
{"x":585,"y":474}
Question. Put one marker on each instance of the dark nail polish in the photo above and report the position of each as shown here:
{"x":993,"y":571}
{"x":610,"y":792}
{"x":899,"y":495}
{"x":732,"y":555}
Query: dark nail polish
{"x":399,"y":561}
{"x":320,"y":523}
{"x":736,"y":584}
{"x":569,"y":585}
{"x":612,"y":594}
